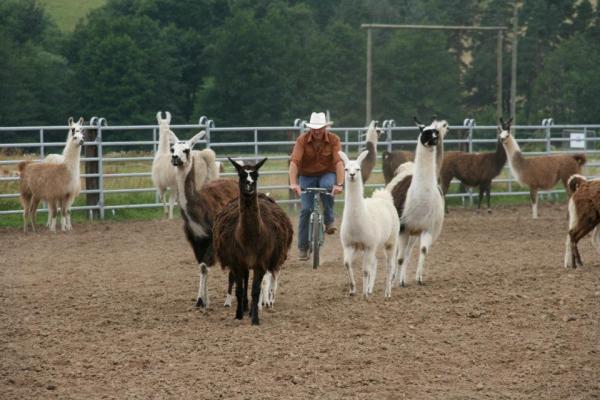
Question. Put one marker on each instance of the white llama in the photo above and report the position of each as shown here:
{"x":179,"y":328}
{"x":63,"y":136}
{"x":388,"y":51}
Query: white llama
{"x":423,"y":213}
{"x":366,"y":225}
{"x":163,"y":173}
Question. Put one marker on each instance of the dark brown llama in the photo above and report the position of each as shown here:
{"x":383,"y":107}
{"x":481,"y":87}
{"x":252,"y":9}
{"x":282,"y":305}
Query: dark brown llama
{"x":252,"y":232}
{"x":371,"y":146}
{"x":475,"y":169}
{"x":201,"y":197}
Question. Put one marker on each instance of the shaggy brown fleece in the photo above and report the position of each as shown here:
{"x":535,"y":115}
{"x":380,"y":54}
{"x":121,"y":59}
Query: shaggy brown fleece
{"x":586,"y":198}
{"x":366,"y":167}
{"x":390,"y":161}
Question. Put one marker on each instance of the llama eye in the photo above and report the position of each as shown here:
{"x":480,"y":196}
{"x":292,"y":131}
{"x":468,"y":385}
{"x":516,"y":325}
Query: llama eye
{"x":346,"y":169}
{"x":172,"y":150}
{"x":187,"y":151}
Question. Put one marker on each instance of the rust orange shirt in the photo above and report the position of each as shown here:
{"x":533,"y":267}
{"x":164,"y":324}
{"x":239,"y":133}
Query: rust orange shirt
{"x":316,"y":157}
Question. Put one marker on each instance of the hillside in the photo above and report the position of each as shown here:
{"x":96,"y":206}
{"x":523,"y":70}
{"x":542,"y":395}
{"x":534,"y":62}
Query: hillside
{"x":66,"y":13}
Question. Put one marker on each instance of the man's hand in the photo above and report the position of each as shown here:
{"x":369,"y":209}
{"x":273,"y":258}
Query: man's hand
{"x":336,"y":189}
{"x":296,"y":188}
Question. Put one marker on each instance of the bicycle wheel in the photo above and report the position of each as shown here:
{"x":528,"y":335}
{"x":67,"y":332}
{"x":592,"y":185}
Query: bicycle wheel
{"x":316,"y":226}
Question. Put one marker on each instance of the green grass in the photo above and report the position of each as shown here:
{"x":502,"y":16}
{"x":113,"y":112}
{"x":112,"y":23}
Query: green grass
{"x":67,"y":13}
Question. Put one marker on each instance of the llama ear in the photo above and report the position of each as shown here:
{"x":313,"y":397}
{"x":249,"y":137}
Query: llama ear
{"x":159,"y":116}
{"x":419,"y":124}
{"x":81,"y":121}
{"x":260,"y":163}
{"x":172,"y":137}
{"x":70,"y":121}
{"x":237,"y":166}
{"x":362,"y":156}
{"x":344,"y":157}
{"x":509,"y":122}
{"x":196,"y":137}
{"x":168,"y":117}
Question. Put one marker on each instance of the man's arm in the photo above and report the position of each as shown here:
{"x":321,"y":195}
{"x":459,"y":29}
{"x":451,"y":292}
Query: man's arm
{"x":339,"y":178}
{"x":293,"y":173}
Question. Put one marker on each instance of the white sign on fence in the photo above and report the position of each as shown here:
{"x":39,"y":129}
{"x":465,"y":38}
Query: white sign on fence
{"x":577,"y":140}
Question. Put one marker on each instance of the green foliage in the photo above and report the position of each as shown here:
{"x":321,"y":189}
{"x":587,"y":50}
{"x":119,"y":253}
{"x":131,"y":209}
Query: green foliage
{"x":268,"y":62}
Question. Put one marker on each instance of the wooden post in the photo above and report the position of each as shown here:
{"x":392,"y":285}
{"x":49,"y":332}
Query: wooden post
{"x":91,"y":167}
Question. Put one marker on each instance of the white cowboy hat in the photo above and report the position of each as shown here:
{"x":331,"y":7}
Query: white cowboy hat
{"x":318,"y":121}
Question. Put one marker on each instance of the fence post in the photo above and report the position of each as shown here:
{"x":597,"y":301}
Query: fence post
{"x":91,"y":168}
{"x":101,"y":122}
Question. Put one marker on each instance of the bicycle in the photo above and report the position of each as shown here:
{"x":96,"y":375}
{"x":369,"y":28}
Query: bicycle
{"x":316,"y":225}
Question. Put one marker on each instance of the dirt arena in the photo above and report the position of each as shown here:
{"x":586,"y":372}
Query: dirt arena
{"x":107,"y":311}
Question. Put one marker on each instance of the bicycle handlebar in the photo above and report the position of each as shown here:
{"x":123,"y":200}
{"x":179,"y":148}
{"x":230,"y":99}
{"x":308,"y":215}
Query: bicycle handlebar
{"x":316,"y":190}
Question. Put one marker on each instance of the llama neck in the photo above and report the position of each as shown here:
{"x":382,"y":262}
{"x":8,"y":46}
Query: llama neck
{"x":353,"y":199}
{"x":425,"y":167}
{"x":439,"y":155}
{"x":185,"y":184}
{"x":514,"y":156}
{"x":71,"y":154}
{"x":163,"y":139}
{"x":249,"y":225}
{"x":499,"y":155}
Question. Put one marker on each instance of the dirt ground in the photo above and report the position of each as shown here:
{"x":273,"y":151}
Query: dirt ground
{"x":107,"y":311}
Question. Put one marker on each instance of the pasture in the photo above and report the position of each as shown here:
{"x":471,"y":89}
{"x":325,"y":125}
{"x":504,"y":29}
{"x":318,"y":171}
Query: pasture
{"x":107,"y":311}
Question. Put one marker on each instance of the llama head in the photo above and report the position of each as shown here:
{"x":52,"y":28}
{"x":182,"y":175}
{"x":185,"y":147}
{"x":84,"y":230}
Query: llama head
{"x":76,"y":132}
{"x":428,"y":135}
{"x":441,"y":125}
{"x":373,"y":132}
{"x":352,"y":167}
{"x":504,"y":129}
{"x":248,"y":175}
{"x":163,"y":122}
{"x":180,"y":150}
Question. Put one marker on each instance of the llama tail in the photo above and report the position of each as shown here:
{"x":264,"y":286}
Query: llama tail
{"x":575,"y":181}
{"x":580,"y":158}
{"x":382,"y":194}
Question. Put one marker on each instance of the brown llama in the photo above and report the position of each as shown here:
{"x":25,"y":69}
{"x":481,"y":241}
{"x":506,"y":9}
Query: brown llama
{"x":584,"y":216}
{"x":55,"y":183}
{"x":475,"y":169}
{"x":390,"y":161}
{"x":201,"y":197}
{"x":540,"y":172}
{"x":252,"y":232}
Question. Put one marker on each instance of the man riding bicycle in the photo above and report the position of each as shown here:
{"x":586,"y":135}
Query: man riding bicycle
{"x":315,"y":163}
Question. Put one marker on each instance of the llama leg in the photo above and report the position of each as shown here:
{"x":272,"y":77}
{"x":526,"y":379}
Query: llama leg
{"x":64,"y":209}
{"x":202,"y":300}
{"x":372,"y":272}
{"x":239,"y":294}
{"x":390,"y":262}
{"x":366,"y":269}
{"x":533,"y":193}
{"x":229,"y":288}
{"x":596,"y":239}
{"x":33,"y":211}
{"x":52,"y":211}
{"x":569,"y":257}
{"x":273,"y":289}
{"x":488,"y":192}
{"x":265,"y":285}
{"x":405,"y":245}
{"x":481,"y":193}
{"x":25,"y":202}
{"x":162,"y":195}
{"x":171,"y":204}
{"x":49,"y":216}
{"x":69,"y":204}
{"x":424,"y":246}
{"x":576,"y":235}
{"x":257,"y":279}
{"x":245,"y":300}
{"x":348,"y":255}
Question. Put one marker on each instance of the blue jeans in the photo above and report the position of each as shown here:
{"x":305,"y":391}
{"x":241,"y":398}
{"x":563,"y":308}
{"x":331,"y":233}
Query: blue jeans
{"x":325,"y":181}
